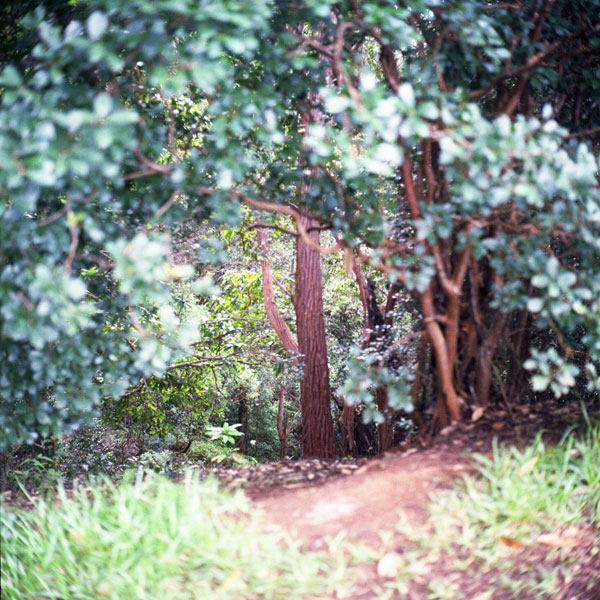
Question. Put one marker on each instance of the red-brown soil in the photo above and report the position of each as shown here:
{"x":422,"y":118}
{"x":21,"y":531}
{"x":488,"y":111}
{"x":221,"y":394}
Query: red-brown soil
{"x":381,"y":492}
{"x":367,"y":502}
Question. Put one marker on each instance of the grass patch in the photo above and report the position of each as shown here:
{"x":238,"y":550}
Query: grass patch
{"x":154,"y":539}
{"x":521,"y":493}
{"x":526,"y":526}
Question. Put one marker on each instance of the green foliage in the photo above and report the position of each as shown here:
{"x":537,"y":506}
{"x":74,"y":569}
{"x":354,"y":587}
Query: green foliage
{"x":364,"y":375}
{"x":121,"y":120}
{"x":65,"y":148}
{"x":180,"y":403}
{"x":524,"y":492}
{"x":156,"y":539}
{"x":156,"y":461}
{"x":226,"y":433}
{"x":224,"y":438}
{"x":37,"y":472}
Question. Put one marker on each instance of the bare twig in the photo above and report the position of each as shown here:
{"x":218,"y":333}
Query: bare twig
{"x":26,"y":302}
{"x":591,"y":131}
{"x":275,"y":227}
{"x":54,"y":217}
{"x":164,"y":169}
{"x":165,"y":207}
{"x":532,"y":63}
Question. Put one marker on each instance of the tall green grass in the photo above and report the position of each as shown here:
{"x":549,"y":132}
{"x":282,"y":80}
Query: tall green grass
{"x":520,"y":525}
{"x":520,"y":493}
{"x":153,"y":539}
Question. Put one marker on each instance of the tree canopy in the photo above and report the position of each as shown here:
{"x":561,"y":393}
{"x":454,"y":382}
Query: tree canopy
{"x":451,"y":145}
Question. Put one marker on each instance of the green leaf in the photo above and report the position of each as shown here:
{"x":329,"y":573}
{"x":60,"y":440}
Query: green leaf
{"x":407,"y":94}
{"x":540,"y":281}
{"x":535,"y":305}
{"x":540,"y":382}
{"x":103,"y":105}
{"x":96,"y":24}
{"x":10,"y":77}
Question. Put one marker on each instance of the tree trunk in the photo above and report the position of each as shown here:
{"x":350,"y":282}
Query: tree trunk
{"x":288,"y":339}
{"x":486,"y":355}
{"x":282,"y":424}
{"x":385,"y":430}
{"x":318,"y":439}
{"x":376,"y":333}
{"x":243,"y":419}
{"x":346,"y":420}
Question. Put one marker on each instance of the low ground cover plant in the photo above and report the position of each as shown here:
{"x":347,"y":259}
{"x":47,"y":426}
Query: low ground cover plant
{"x":156,"y":539}
{"x":527,"y":524}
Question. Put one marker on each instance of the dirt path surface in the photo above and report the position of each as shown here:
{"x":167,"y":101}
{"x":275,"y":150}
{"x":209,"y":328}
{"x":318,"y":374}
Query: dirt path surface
{"x":371,"y":500}
{"x":374,"y":496}
{"x":366,"y":501}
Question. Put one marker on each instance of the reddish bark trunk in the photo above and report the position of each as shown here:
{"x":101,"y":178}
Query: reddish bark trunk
{"x":288,"y":339}
{"x":385,"y":430}
{"x":349,"y":447}
{"x":318,"y":439}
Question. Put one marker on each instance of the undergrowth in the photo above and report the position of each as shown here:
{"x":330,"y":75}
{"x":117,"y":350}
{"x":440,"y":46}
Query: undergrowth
{"x":154,"y":539}
{"x":527,"y":526}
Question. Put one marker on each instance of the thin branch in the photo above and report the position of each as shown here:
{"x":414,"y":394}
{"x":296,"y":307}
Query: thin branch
{"x":164,"y":169}
{"x":591,"y":131}
{"x":26,"y":302}
{"x":532,"y":63}
{"x":72,"y":248}
{"x":283,"y":288}
{"x":436,"y":64}
{"x":165,"y":207}
{"x":282,"y":210}
{"x":541,"y":20}
{"x":54,"y":217}
{"x":311,"y":43}
{"x":138,"y":174}
{"x":276,"y":227}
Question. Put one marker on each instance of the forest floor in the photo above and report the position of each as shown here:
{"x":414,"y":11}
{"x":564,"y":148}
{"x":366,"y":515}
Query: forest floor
{"x":430,"y":520}
{"x":375,"y":503}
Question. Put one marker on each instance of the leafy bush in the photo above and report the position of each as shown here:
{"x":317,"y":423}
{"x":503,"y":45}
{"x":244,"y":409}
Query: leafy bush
{"x":159,"y":462}
{"x":156,"y":539}
{"x":92,"y":450}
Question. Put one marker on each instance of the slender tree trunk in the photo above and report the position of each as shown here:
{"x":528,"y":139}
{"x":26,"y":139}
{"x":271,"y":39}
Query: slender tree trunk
{"x":318,"y":439}
{"x":486,"y":355}
{"x":282,"y":424}
{"x":349,"y":447}
{"x":243,"y":419}
{"x":517,"y":375}
{"x":385,"y":430}
{"x":288,"y":339}
{"x":376,"y":334}
{"x":347,"y":425}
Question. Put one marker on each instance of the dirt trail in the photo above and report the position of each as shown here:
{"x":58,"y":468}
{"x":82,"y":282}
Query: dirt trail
{"x":395,"y":489}
{"x":371,"y":500}
{"x":398,"y":485}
